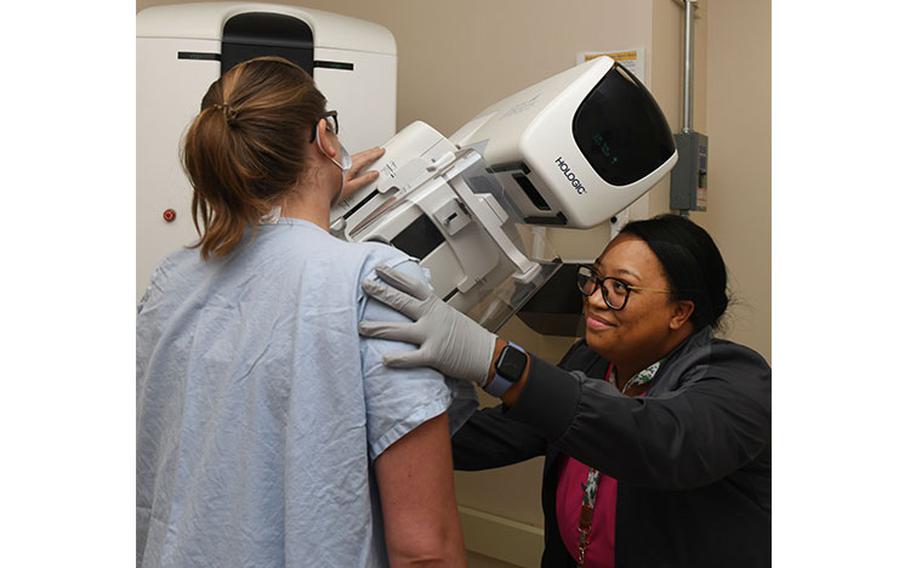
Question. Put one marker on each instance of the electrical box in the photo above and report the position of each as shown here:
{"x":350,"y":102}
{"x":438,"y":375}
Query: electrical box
{"x":689,"y":179}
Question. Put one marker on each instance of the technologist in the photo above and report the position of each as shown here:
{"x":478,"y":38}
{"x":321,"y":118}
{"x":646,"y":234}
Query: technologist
{"x":657,"y":434}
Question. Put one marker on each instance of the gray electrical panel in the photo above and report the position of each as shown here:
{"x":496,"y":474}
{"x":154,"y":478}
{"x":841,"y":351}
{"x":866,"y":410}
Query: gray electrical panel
{"x":689,"y":179}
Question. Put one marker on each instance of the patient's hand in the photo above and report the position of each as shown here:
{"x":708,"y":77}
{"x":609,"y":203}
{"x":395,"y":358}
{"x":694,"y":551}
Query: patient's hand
{"x":354,"y":180}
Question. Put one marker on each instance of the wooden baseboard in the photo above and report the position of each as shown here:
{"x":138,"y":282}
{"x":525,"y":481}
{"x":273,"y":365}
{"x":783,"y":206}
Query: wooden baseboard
{"x":510,"y":541}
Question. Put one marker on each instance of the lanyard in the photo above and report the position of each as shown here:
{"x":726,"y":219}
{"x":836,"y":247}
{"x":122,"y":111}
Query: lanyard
{"x":589,"y":487}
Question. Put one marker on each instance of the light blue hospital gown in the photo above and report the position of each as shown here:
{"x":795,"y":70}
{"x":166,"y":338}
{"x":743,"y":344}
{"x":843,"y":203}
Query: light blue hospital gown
{"x":260,"y":410}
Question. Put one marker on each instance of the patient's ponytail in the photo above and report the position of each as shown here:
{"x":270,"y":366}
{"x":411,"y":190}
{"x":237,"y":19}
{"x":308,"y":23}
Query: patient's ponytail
{"x":245,"y":148}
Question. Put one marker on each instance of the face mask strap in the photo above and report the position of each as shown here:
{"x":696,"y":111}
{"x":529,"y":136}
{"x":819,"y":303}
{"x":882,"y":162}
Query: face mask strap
{"x":326,"y":154}
{"x":346,"y":159}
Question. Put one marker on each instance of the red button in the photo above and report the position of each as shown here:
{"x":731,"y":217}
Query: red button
{"x":169,"y":215}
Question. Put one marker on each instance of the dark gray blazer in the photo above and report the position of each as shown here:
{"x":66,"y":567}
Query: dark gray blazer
{"x":692,"y":458}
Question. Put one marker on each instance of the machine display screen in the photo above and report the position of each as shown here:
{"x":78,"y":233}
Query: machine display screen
{"x":620,"y":129}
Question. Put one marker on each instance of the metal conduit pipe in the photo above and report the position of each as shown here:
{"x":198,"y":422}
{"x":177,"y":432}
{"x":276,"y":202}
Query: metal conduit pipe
{"x":688,"y":182}
{"x":689,"y":71}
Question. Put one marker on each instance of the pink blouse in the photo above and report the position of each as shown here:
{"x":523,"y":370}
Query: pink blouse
{"x":600,"y":551}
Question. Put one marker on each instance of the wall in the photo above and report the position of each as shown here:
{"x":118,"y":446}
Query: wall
{"x":739,"y":180}
{"x":455,"y":58}
{"x":732,"y":105}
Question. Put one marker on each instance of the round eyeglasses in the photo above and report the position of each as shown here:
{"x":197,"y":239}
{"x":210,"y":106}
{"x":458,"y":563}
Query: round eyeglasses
{"x":615,"y":291}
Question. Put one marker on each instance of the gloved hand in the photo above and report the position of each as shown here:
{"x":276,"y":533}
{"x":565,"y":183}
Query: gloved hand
{"x":447,"y":340}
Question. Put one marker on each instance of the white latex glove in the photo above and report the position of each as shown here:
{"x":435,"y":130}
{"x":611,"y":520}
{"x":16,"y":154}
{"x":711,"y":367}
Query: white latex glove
{"x":447,"y":340}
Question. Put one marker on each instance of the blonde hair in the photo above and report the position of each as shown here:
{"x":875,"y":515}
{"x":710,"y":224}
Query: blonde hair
{"x":245,"y":148}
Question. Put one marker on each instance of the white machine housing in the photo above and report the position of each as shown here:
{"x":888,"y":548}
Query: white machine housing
{"x":575,"y":149}
{"x":571,"y":151}
{"x":182,"y":49}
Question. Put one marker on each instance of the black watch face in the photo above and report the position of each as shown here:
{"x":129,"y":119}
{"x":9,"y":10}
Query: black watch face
{"x":511,"y":363}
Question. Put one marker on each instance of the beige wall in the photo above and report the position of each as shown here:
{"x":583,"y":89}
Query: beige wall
{"x":739,"y":179}
{"x":455,"y":58}
{"x":732,"y":105}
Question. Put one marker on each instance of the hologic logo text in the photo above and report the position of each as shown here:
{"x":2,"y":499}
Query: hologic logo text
{"x":570,"y":175}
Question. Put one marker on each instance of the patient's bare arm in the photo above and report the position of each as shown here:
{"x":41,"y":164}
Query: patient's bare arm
{"x":417,"y":491}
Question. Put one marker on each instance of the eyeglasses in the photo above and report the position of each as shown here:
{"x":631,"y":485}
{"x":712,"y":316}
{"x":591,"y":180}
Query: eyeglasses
{"x":615,"y":291}
{"x":331,"y":123}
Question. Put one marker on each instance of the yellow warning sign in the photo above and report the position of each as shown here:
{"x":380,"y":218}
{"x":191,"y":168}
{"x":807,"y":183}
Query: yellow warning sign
{"x":631,"y":59}
{"x":615,"y":55}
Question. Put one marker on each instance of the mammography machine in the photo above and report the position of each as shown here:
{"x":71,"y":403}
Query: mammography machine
{"x":570,"y":151}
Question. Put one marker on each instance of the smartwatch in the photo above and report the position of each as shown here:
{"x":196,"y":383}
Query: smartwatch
{"x":509,"y":367}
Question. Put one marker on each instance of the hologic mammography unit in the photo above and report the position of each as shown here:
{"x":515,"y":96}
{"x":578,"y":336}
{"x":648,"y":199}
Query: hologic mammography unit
{"x":570,"y":151}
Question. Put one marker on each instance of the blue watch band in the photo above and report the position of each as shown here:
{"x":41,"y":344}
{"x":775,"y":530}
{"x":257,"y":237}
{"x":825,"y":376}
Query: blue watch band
{"x":500,"y":384}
